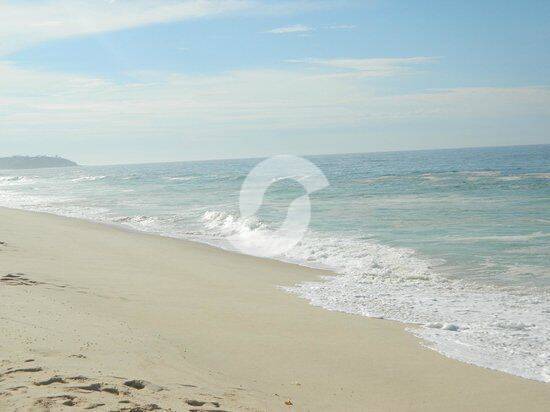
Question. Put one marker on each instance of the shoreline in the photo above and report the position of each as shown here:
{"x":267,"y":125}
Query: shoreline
{"x":326,"y":276}
{"x":214,"y":318}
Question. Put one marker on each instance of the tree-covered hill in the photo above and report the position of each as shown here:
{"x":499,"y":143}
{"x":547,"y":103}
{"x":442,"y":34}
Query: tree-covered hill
{"x":34,"y":162}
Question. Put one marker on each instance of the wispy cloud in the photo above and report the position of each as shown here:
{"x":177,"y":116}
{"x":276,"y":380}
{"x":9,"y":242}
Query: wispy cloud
{"x":27,"y":23}
{"x":157,"y":104}
{"x":301,"y":28}
{"x":24,"y":23}
{"x":373,"y":67}
{"x":297,"y":28}
{"x":341,"y":27}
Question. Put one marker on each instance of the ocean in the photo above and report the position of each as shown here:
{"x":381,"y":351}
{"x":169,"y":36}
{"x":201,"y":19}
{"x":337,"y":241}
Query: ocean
{"x":454,"y":242}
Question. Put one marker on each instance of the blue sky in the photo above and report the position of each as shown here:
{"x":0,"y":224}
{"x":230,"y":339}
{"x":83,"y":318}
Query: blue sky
{"x":116,"y":81}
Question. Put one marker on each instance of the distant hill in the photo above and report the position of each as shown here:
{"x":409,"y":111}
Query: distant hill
{"x":36,"y":162}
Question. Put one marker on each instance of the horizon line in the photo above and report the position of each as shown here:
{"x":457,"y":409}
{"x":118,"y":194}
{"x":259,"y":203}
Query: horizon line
{"x":314,"y":155}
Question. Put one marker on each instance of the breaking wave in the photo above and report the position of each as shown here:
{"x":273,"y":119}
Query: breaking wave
{"x":504,"y":329}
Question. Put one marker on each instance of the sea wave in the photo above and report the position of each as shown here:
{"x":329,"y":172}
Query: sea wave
{"x":469,"y":321}
{"x":133,"y":219}
{"x":228,"y":224}
{"x":504,"y":329}
{"x":250,"y":231}
{"x":16,"y":180}
{"x":180,"y":178}
{"x":496,"y":238}
{"x":88,"y":178}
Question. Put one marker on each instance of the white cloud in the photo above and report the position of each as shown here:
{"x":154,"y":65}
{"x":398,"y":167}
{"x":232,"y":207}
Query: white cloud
{"x":341,"y":27}
{"x":27,"y":23}
{"x":301,"y":28}
{"x":297,"y":28}
{"x":258,"y":101}
{"x":374,"y":67}
{"x":24,"y":23}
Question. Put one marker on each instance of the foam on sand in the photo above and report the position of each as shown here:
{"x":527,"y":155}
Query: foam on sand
{"x":507,"y":329}
{"x":127,"y":315}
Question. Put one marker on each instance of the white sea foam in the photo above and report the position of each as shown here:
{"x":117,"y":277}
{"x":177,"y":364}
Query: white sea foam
{"x":542,"y":176}
{"x":15,"y":180}
{"x":180,"y":178}
{"x":504,"y":238}
{"x":228,"y":224}
{"x":503,"y":329}
{"x":140,"y":222}
{"x":471,"y":176}
{"x":481,"y":173}
{"x":133,"y":219}
{"x":496,"y":328}
{"x":10,"y":178}
{"x":538,"y":175}
{"x":250,"y":232}
{"x":88,"y":178}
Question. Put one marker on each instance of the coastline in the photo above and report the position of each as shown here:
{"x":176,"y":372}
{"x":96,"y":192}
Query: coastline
{"x":110,"y":303}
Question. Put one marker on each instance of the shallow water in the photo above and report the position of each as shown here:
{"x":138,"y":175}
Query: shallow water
{"x":455,"y":240}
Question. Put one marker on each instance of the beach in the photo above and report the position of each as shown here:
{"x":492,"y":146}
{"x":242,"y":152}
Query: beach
{"x":258,"y":205}
{"x":95,"y":316}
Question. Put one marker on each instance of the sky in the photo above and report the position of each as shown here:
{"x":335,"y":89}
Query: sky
{"x":136,"y":81}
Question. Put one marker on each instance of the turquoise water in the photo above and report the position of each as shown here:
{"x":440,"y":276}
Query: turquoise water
{"x":457,"y":241}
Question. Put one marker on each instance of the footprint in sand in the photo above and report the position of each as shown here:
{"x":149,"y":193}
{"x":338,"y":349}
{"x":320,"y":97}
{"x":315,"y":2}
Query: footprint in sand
{"x":193,"y":402}
{"x":17,"y":279}
{"x":141,"y":384}
{"x":207,"y":410}
{"x":20,"y":279}
{"x":97,"y":387}
{"x":57,"y":392}
{"x":53,"y":379}
{"x":136,"y":384}
{"x":94,"y":406}
{"x":21,"y":370}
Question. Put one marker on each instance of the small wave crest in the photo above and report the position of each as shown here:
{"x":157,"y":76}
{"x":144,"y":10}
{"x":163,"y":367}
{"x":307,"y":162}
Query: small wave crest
{"x":88,"y":178}
{"x":142,"y":220}
{"x":251,"y":234}
{"x":228,"y":224}
{"x":15,"y":180}
{"x":180,"y":178}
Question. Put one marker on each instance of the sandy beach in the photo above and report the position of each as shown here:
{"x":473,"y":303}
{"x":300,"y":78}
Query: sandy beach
{"x":96,"y":317}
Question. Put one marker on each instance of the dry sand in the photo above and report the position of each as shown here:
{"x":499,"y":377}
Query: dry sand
{"x":98,"y":317}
